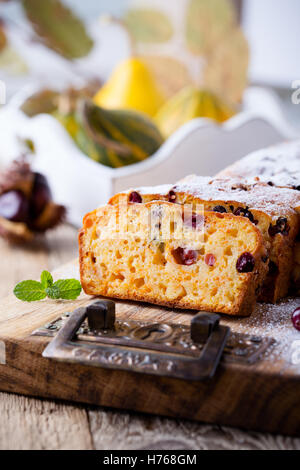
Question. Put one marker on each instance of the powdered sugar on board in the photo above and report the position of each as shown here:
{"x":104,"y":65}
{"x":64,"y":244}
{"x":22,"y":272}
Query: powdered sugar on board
{"x":273,"y":321}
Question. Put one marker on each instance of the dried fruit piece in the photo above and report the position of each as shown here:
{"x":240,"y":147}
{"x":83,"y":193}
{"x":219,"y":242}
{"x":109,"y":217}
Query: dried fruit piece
{"x":185,"y":256}
{"x":245,"y":263}
{"x":135,"y":197}
{"x":172,"y":196}
{"x":220,"y":209}
{"x":210,"y":259}
{"x":281,"y":226}
{"x":244,"y":212}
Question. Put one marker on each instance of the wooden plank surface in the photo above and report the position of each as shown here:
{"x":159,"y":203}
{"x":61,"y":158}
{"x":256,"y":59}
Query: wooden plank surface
{"x":28,"y":423}
{"x":43,"y":423}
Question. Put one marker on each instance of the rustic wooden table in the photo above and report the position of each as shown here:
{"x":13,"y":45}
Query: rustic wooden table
{"x":28,"y":423}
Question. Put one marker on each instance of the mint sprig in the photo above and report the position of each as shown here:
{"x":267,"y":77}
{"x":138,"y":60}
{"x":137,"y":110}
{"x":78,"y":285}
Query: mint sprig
{"x":68,"y":288}
{"x":30,"y":291}
{"x":46,"y":279}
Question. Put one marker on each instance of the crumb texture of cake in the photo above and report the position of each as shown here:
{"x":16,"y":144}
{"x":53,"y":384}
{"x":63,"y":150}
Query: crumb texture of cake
{"x":185,"y":258}
{"x":274,"y":211}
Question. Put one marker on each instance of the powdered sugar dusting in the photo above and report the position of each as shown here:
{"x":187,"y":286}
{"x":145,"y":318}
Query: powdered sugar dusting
{"x":273,"y":321}
{"x":160,"y":190}
{"x":260,"y":196}
{"x":279,"y":165}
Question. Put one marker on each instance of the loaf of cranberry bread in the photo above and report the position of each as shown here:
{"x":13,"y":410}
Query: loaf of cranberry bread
{"x":271,"y":210}
{"x":172,"y":255}
{"x":277,"y":166}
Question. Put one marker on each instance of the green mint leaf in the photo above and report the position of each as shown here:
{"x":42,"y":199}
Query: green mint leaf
{"x":69,"y":288}
{"x":46,"y":279}
{"x":53,"y":292}
{"x":29,"y":291}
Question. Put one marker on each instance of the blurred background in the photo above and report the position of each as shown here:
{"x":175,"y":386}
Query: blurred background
{"x":132,"y":92}
{"x":270,"y":27}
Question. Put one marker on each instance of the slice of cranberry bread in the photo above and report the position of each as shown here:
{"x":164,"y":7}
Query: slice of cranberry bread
{"x":169,"y":255}
{"x":271,"y":210}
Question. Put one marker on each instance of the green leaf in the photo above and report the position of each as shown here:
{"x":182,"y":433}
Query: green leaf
{"x":34,"y":290}
{"x":69,"y":288}
{"x":148,"y":25}
{"x":46,"y":279}
{"x":207,"y":22}
{"x":29,"y":291}
{"x":53,"y":292}
{"x":44,"y":101}
{"x":58,"y":27}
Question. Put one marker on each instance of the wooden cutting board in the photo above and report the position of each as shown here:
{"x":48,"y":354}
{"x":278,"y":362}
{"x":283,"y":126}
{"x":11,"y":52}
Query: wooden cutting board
{"x":263,"y":394}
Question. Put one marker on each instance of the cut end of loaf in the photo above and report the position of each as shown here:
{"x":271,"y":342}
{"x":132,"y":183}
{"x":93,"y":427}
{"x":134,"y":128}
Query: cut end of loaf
{"x":185,"y":260}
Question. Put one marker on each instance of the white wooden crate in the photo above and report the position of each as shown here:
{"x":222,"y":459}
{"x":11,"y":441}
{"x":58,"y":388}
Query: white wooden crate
{"x":201,"y":146}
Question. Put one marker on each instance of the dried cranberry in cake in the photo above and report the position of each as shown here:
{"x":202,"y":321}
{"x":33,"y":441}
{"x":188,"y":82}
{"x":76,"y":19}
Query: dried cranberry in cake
{"x":14,"y":206}
{"x":241,"y":211}
{"x":221,"y":209}
{"x":210,"y":259}
{"x":135,"y":197}
{"x":192,"y":220}
{"x":185,"y":256}
{"x":296,"y":318}
{"x":172,"y":196}
{"x":281,"y":226}
{"x":245,"y":263}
